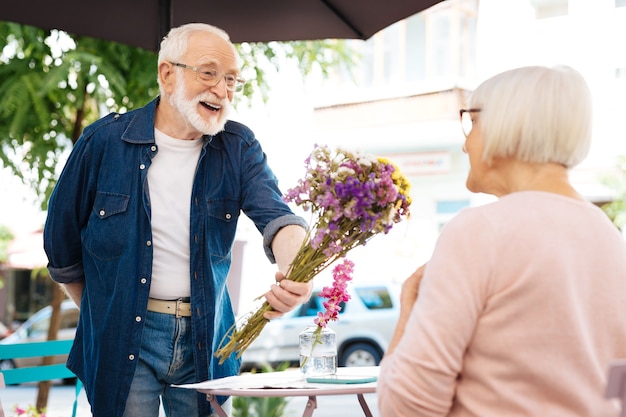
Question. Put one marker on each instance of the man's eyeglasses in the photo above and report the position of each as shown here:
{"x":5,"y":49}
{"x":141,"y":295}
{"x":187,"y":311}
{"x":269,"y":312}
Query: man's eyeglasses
{"x":466,"y":120}
{"x":211,"y":77}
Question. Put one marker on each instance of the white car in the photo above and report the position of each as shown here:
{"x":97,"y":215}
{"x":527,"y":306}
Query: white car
{"x":364,"y":329}
{"x":35,"y":329}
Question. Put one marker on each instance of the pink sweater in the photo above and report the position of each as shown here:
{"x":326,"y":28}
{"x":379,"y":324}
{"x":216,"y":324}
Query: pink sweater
{"x":521,"y":309}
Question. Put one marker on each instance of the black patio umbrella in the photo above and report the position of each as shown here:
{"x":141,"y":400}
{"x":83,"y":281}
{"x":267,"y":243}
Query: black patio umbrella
{"x":143,"y":23}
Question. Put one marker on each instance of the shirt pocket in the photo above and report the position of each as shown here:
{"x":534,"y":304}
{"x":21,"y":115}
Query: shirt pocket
{"x":108,"y":228}
{"x":222,"y":216}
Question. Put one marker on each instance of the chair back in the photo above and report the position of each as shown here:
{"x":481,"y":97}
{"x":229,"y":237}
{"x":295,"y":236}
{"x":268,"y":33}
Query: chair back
{"x":39,"y":372}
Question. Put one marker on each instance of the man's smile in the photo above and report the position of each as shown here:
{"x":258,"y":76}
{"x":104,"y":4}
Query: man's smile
{"x":210,"y":106}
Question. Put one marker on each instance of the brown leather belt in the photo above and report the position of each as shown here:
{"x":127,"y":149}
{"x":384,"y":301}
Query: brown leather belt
{"x":178,"y":308}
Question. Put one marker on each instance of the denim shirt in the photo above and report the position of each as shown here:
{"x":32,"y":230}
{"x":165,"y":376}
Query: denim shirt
{"x":98,"y":231}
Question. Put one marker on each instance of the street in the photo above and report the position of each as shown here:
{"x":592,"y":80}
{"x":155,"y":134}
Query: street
{"x":61,"y":401}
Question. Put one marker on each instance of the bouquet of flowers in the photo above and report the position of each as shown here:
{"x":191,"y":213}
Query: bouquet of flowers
{"x":352,"y":197}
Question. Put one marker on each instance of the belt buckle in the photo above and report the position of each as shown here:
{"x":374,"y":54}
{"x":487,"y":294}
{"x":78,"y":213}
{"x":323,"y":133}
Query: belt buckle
{"x":178,"y":302}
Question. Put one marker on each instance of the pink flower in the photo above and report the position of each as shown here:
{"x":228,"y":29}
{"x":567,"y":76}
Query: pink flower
{"x":337,"y":294}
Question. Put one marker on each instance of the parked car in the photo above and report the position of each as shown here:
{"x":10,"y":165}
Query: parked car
{"x":35,"y":329}
{"x":4,"y":331}
{"x":364,"y":329}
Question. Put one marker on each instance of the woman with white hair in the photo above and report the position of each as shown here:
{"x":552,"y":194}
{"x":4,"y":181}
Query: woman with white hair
{"x":523,"y":304}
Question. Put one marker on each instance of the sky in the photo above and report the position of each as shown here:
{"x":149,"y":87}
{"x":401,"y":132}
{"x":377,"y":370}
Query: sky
{"x":18,"y":208}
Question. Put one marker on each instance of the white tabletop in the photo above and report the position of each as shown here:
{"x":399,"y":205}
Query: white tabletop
{"x":289,"y":383}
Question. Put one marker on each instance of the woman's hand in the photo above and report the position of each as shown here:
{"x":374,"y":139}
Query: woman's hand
{"x":410,"y":289}
{"x":408,"y":297}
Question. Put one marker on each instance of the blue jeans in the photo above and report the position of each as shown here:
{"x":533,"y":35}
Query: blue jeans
{"x":166,"y":358}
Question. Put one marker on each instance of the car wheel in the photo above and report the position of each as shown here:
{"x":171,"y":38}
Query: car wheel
{"x":6,"y":365}
{"x":360,"y":354}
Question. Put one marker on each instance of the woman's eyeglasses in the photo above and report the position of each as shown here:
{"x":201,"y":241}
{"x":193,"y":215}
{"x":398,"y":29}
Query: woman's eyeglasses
{"x":467,"y":123}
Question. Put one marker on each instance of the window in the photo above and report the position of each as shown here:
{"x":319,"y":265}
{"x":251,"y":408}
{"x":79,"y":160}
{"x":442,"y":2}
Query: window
{"x":550,"y":8}
{"x":447,"y":209}
{"x":415,"y":48}
{"x":39,"y":328}
{"x":440,"y":40}
{"x":423,"y":46}
{"x":314,"y":305}
{"x":393,"y":57}
{"x":70,"y":319}
{"x":451,"y":206}
{"x":375,"y":298}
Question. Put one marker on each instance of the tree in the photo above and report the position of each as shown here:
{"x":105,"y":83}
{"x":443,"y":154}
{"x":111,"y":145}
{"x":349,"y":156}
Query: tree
{"x":5,"y":238}
{"x":616,"y":210}
{"x":53,"y":85}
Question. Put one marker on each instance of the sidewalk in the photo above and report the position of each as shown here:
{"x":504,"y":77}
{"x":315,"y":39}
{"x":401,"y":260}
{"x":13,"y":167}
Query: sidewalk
{"x":61,"y":401}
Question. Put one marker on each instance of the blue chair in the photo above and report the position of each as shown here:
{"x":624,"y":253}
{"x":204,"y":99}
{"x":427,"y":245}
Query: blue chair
{"x":40,"y":372}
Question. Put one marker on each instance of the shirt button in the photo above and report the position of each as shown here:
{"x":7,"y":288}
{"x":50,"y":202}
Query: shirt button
{"x":153,"y":148}
{"x":102,"y":212}
{"x":138,"y":319}
{"x":131,"y":357}
{"x":142,"y":166}
{"x":143,"y":280}
{"x":149,"y":243}
{"x":228,"y":216}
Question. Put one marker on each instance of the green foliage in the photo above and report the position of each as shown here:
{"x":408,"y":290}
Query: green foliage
{"x":616,"y":210}
{"x":323,"y":55}
{"x":53,"y":86}
{"x":261,"y":406}
{"x":5,"y":239}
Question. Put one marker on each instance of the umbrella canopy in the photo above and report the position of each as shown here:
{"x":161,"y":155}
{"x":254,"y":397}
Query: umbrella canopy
{"x":143,"y":23}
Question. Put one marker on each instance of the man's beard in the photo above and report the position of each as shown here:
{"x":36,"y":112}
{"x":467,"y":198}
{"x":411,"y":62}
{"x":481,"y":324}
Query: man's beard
{"x":187,"y":108}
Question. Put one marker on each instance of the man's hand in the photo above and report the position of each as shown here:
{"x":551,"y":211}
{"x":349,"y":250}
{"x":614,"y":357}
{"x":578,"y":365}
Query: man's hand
{"x":74,"y":290}
{"x":286,"y":295}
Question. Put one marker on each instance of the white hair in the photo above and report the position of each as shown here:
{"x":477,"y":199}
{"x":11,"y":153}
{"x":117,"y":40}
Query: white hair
{"x":174,"y":45}
{"x":535,"y":114}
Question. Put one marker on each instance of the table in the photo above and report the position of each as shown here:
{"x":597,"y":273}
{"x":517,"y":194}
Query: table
{"x":289,"y":383}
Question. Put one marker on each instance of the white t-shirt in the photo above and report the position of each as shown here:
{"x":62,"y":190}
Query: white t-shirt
{"x":170,"y":180}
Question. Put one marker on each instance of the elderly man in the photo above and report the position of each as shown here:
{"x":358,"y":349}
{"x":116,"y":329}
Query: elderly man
{"x":140,"y":229}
